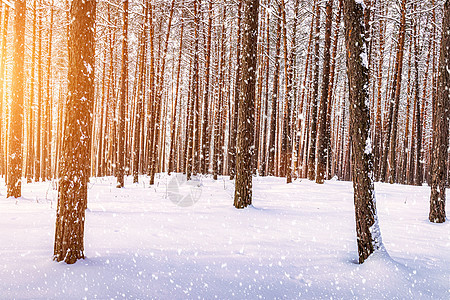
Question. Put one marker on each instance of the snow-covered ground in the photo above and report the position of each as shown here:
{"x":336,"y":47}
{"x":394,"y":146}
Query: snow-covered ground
{"x":298,"y":241}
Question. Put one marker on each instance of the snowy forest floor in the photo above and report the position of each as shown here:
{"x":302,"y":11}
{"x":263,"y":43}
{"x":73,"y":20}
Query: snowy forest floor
{"x":297,"y":241}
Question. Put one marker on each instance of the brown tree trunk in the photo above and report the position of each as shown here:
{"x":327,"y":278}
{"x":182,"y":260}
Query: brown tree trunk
{"x":313,"y":104}
{"x":123,"y":99}
{"x":234,"y":126}
{"x":441,"y":127}
{"x":245,"y":153}
{"x":2,"y":93}
{"x":331,"y":91}
{"x":266,"y":98}
{"x":140,"y":100}
{"x":38,"y":165}
{"x":194,"y":94}
{"x":15,"y":143}
{"x":377,"y":143}
{"x":30,"y":147}
{"x":275,"y":92}
{"x":417,"y":122}
{"x":322,"y":142}
{"x":286,"y":149}
{"x":205,"y":130}
{"x":396,"y":98}
{"x":174,"y":117}
{"x":69,"y":234}
{"x":367,"y":229}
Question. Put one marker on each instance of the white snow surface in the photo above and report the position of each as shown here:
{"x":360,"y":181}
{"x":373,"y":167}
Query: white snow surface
{"x":298,"y":241}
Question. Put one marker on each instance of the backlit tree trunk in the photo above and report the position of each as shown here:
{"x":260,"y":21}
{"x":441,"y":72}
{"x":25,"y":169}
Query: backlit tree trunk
{"x":15,"y":136}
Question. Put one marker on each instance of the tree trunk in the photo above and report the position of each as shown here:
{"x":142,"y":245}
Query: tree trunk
{"x":123,"y":99}
{"x":313,"y":104}
{"x":234,"y":123}
{"x":396,"y":98}
{"x":286,"y":150}
{"x":243,"y":191}
{"x":322,"y":142}
{"x":441,"y":127}
{"x":275,"y":92}
{"x":205,"y":130}
{"x":69,"y":235}
{"x":2,"y":88}
{"x":14,"y":182}
{"x":367,"y":229}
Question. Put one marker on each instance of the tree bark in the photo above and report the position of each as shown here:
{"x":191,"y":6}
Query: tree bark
{"x":123,"y":99}
{"x":14,"y":182}
{"x":441,"y":127}
{"x":322,"y":142}
{"x":367,"y":229}
{"x":69,"y":234}
{"x":313,"y":104}
{"x":245,"y":137}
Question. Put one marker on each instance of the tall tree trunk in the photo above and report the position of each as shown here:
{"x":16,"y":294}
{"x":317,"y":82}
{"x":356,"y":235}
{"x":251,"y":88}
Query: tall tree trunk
{"x":266,"y":98}
{"x":30,"y":147}
{"x":2,"y":89}
{"x":275,"y":92}
{"x":177,"y":98}
{"x":205,"y":131}
{"x":69,"y":234}
{"x":14,"y":182}
{"x":331,"y":91}
{"x":234,"y":126}
{"x":322,"y":142}
{"x":313,"y":104}
{"x":441,"y":127}
{"x":123,"y":99}
{"x":140,"y":100}
{"x":367,"y":229}
{"x":417,"y":121}
{"x":194,"y":93}
{"x":243,"y":191}
{"x":396,"y":99}
{"x":48,"y":104}
{"x":377,"y":143}
{"x":290,"y":92}
{"x":38,"y":165}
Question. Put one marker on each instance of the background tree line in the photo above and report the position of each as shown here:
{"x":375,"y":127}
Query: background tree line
{"x":167,"y":82}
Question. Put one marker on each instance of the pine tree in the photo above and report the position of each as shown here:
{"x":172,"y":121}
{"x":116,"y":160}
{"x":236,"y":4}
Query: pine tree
{"x":17,"y":112}
{"x":441,"y":127}
{"x":313,"y":105}
{"x":322,"y":142}
{"x":367,"y":229}
{"x":245,"y":137}
{"x":123,"y":99}
{"x":72,"y":193}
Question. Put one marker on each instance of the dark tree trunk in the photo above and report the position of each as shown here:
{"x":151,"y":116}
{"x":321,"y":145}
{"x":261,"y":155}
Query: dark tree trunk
{"x":72,"y":193}
{"x":243,"y":192}
{"x":367,"y":230}
{"x":440,"y":130}
{"x":322,"y":142}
